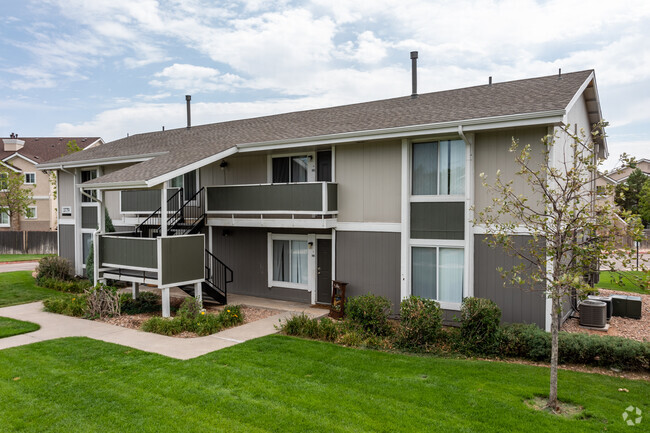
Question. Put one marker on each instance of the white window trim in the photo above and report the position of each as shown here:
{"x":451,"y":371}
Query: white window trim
{"x":5,"y":176}
{"x":6,"y":211}
{"x":288,"y":237}
{"x":35,"y":213}
{"x":436,"y":197}
{"x":311,"y":166}
{"x":436,"y":243}
{"x":25,"y":178}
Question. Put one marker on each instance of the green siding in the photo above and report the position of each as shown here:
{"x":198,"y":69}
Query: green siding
{"x":289,"y":197}
{"x":89,"y":217}
{"x":440,"y":220}
{"x":142,"y":200}
{"x":138,"y":252}
{"x":332,"y":197}
{"x":182,"y":259}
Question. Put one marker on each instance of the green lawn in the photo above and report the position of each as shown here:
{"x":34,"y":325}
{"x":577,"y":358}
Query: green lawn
{"x":630,"y":279}
{"x":9,"y":327}
{"x":21,"y":257}
{"x":19,"y":288}
{"x":285,"y":384}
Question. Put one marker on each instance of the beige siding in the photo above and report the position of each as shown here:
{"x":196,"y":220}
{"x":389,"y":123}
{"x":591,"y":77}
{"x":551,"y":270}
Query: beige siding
{"x":241,"y":170}
{"x":369,"y":179}
{"x":112,"y":198}
{"x":492,"y":154}
{"x":42,"y":188}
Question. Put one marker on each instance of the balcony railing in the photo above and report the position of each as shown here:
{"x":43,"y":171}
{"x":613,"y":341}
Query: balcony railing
{"x":145,"y":201}
{"x":163,"y":261}
{"x":287,"y":198}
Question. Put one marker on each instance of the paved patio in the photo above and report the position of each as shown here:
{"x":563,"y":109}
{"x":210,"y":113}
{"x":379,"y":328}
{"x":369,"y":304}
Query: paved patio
{"x":57,"y":326}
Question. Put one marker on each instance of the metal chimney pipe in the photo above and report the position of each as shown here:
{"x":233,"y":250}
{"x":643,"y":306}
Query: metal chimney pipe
{"x":490,"y":81}
{"x":188,"y":98}
{"x":414,"y":74}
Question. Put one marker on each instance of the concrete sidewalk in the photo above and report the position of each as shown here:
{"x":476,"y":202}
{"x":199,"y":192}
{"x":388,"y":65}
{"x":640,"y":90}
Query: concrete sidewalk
{"x":58,"y":326}
{"x":18,"y":266}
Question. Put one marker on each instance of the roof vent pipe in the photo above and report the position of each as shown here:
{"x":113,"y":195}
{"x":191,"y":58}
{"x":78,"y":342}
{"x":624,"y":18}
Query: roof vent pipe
{"x":559,"y":74}
{"x":490,"y":81}
{"x":414,"y":74}
{"x":188,"y":98}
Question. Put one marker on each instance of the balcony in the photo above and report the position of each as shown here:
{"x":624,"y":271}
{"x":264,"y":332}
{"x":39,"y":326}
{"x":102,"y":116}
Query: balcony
{"x":143,"y":201}
{"x":163,"y":261}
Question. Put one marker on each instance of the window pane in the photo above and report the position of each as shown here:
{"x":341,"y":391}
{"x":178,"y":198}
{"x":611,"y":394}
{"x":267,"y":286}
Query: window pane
{"x":177,"y":182}
{"x":189,"y":185}
{"x":87,"y":175}
{"x":452,"y":167}
{"x":451,"y":275}
{"x":31,"y":212}
{"x":281,"y":261}
{"x":324,"y":164}
{"x":4,"y":217}
{"x":425,"y":168}
{"x":280,"y":170}
{"x":299,"y":166}
{"x":424,"y":272}
{"x":87,"y":240}
{"x":299,"y":262}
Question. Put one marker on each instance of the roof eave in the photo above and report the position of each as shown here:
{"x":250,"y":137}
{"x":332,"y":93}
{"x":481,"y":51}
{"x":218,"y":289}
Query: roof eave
{"x":99,"y":161}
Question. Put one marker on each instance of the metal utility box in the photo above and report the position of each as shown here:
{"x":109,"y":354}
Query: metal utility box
{"x":593,"y":313}
{"x":608,"y":301}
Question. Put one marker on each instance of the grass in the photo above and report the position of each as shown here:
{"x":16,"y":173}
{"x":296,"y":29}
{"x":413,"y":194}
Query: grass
{"x":284,"y":384}
{"x":630,"y":281}
{"x":19,"y":288}
{"x":10,"y":327}
{"x":22,"y":257}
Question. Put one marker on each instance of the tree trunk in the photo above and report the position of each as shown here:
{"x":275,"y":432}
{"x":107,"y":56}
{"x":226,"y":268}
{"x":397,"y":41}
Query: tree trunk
{"x":555,"y":329}
{"x":15,"y":221}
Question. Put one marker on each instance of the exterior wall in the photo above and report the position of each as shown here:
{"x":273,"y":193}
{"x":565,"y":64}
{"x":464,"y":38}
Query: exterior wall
{"x":517,"y":305}
{"x":65,"y":193}
{"x":370,"y":263}
{"x":112,"y":198}
{"x":66,"y":242}
{"x":241,"y":170}
{"x":491,"y":153}
{"x":369,"y":179}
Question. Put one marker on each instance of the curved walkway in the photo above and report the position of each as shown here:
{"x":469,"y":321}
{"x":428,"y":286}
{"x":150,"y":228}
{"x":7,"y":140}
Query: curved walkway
{"x":58,"y":326}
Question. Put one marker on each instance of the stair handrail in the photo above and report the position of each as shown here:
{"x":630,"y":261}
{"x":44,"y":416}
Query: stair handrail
{"x":194,"y":202}
{"x":158,"y":213}
{"x":227,"y":275}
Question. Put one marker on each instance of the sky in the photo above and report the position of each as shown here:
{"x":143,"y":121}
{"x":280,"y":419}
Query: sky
{"x":110,"y":68}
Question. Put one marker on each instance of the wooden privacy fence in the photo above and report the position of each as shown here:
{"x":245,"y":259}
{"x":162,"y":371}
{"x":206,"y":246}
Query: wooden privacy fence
{"x":28,"y":242}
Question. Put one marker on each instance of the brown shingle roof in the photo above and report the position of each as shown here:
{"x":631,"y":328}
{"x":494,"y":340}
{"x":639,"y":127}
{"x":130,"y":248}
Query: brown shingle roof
{"x":189,"y":145}
{"x":43,"y":149}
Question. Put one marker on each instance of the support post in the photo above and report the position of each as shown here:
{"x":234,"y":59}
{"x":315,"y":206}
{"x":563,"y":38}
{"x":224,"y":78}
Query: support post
{"x":135,"y":290}
{"x":198,"y":292}
{"x":163,"y":211}
{"x":166,"y":312}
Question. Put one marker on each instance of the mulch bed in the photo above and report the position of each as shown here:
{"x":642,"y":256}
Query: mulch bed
{"x":629,"y":328}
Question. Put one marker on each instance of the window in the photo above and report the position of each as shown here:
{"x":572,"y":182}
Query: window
{"x":290,"y":261}
{"x":30,"y":178}
{"x":87,"y":242}
{"x":186,"y":181}
{"x":31,"y":213}
{"x":437,"y":273}
{"x":4,"y":218}
{"x":4,"y":183}
{"x":87,"y":175}
{"x":439,"y":168}
{"x":291,"y":169}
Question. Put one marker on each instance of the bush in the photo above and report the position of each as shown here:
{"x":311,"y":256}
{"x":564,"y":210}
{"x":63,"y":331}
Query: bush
{"x":71,"y":286}
{"x":231,"y":315}
{"x":479,"y":329}
{"x":164,"y":326}
{"x":530,"y":342}
{"x":54,"y":268}
{"x":191,"y":319}
{"x":421,"y":322}
{"x":304,"y":326}
{"x":102,"y":301}
{"x":147,"y":302}
{"x":74,"y":306}
{"x":370,"y":312}
{"x":190,"y":309}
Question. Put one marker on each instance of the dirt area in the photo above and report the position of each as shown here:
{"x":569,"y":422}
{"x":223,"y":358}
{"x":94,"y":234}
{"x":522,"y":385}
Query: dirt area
{"x":629,"y":328}
{"x":135,"y":321}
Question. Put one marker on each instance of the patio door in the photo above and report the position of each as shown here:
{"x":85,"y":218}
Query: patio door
{"x":324,"y":271}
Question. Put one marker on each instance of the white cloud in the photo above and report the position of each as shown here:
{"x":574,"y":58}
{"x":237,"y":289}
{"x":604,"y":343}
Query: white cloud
{"x":638,"y":148}
{"x":195,"y":79}
{"x":30,"y":78}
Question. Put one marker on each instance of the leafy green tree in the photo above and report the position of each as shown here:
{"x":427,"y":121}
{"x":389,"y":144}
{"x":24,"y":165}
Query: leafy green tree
{"x":72,"y":146}
{"x":15,"y":196}
{"x":569,"y":232}
{"x":626,"y":194}
{"x":644,"y":204}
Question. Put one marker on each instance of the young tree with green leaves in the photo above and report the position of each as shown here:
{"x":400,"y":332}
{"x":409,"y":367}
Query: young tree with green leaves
{"x":569,"y":233}
{"x":644,"y":204}
{"x":15,"y":196}
{"x":627,"y":194}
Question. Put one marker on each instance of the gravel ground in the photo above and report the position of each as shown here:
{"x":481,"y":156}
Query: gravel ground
{"x":135,"y":321}
{"x":629,"y":328}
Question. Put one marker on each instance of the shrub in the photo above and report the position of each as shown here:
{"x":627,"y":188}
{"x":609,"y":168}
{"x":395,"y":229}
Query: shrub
{"x":421,"y":322}
{"x":71,"y":286}
{"x":190,"y":308}
{"x":479,"y":327}
{"x":304,"y":326}
{"x":147,"y":302}
{"x":74,"y":306}
{"x":55,"y":268}
{"x":530,"y":342}
{"x":102,"y":301}
{"x":231,"y":315}
{"x":190,"y":319}
{"x":164,"y":326}
{"x":370,"y":312}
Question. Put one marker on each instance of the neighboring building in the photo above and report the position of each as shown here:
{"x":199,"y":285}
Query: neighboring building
{"x":379,"y":195}
{"x":21,"y":155}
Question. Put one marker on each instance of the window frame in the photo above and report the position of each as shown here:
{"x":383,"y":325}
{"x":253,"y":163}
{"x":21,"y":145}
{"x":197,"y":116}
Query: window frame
{"x":4,"y":181}
{"x":5,"y":211}
{"x":286,"y":237}
{"x":438,"y":196}
{"x":35,"y":216}
{"x":85,"y":201}
{"x":311,"y":167}
{"x":34,"y":177}
{"x":437,"y":245}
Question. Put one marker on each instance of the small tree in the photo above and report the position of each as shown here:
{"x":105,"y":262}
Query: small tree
{"x":644,"y":204}
{"x":627,"y":194}
{"x":15,"y":196}
{"x":570,"y":234}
